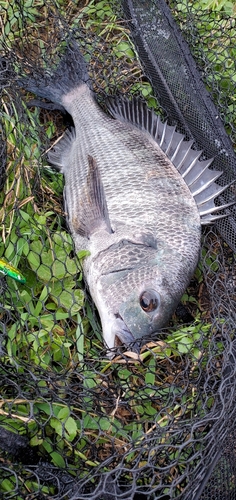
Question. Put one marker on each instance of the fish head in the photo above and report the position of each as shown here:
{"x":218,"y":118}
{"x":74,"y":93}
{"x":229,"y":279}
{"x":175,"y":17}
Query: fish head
{"x":146,"y":310}
{"x":139,"y":314}
{"x":138,"y":301}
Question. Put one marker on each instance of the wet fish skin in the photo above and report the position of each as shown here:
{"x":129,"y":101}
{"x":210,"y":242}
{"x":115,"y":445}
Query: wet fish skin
{"x":155,"y":239}
{"x":127,"y":204}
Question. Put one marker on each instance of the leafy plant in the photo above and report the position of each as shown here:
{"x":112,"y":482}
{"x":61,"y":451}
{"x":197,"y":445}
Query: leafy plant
{"x":15,"y":14}
{"x":48,"y":328}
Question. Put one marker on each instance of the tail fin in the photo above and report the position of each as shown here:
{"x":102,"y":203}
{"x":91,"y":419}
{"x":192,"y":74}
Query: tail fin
{"x":70,"y":73}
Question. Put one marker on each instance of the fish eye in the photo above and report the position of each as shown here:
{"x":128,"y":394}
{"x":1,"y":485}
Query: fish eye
{"x":149,"y":300}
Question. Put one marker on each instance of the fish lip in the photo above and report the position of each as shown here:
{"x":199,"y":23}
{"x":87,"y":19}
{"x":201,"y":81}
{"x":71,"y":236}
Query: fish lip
{"x":123,"y":333}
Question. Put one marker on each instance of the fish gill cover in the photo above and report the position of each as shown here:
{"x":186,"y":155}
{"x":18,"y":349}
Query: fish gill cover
{"x":74,"y":424}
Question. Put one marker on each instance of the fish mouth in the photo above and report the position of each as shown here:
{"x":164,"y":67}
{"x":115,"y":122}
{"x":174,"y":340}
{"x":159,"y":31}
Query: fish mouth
{"x":123,"y":335}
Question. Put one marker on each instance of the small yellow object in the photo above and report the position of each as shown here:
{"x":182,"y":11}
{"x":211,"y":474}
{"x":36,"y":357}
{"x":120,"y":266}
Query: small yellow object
{"x":8,"y":270}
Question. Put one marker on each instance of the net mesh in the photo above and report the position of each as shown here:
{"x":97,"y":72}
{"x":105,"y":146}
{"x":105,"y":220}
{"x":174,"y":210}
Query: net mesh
{"x":177,"y":82}
{"x":74,"y":424}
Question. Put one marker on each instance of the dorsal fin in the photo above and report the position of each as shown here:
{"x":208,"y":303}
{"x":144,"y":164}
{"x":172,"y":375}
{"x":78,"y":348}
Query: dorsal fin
{"x":199,"y":178}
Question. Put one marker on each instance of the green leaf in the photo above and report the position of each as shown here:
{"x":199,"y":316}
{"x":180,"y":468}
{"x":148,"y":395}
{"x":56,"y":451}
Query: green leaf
{"x":48,"y":322}
{"x":71,"y":427}
{"x":63,"y":413}
{"x":40,"y":219}
{"x":79,"y":335}
{"x":47,"y":445}
{"x":58,"y":460}
{"x":45,"y":407}
{"x":26,"y":248}
{"x":105,"y":423}
{"x":42,"y":298}
{"x":44,"y":273}
{"x":82,"y":254}
{"x":10,"y":251}
{"x":21,"y":242}
{"x":124,"y":49}
{"x":150,"y":375}
{"x":8,"y":485}
{"x":27,"y":299}
{"x":89,"y":379}
{"x":90,"y":423}
{"x":36,"y":441}
{"x":61,"y":315}
{"x":34,"y":260}
{"x":57,"y":425}
{"x":185,"y":344}
{"x":64,"y":295}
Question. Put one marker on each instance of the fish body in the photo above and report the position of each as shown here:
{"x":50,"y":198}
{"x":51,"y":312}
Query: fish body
{"x":136,"y":195}
{"x":154,"y":241}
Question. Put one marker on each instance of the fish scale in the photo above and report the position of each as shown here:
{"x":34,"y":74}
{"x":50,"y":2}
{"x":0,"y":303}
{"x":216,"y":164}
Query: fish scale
{"x":120,"y":182}
{"x":136,"y":194}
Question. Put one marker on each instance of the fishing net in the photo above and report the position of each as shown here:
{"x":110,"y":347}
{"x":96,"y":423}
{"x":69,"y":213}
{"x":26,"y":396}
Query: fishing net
{"x":75,"y":424}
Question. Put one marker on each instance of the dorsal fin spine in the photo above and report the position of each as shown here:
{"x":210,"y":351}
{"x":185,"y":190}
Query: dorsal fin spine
{"x":201,"y":172}
{"x":210,"y":220}
{"x":216,"y":209}
{"x":163,"y":134}
{"x":200,"y":179}
{"x":177,"y":150}
{"x":214,"y":195}
{"x":156,"y":124}
{"x":145,"y":120}
{"x":171,"y":140}
{"x":182,"y":160}
{"x":206,"y":185}
{"x":193,"y":162}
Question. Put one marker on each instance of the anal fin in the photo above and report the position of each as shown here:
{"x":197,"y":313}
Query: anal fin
{"x":60,"y":149}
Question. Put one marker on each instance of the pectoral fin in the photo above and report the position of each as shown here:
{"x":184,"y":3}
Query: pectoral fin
{"x":93,"y":214}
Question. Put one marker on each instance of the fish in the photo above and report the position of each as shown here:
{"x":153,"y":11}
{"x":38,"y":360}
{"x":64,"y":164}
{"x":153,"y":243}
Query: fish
{"x":136,"y":195}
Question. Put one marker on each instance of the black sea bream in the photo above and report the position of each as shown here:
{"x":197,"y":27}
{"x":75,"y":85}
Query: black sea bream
{"x":136,"y":196}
